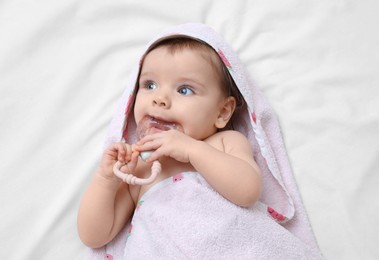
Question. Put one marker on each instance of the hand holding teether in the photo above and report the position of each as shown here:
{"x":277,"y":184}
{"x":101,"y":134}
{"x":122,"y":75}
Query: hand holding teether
{"x":144,"y":128}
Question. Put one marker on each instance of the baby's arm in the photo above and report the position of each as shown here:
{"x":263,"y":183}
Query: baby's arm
{"x":225,"y":160}
{"x":107,"y":204}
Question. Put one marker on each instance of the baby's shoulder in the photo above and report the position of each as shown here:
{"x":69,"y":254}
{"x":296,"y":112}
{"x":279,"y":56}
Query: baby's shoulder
{"x":229,"y":134}
{"x":227,"y":138}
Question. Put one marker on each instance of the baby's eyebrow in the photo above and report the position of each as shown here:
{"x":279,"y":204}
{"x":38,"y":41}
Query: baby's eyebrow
{"x":191,"y":80}
{"x":147,"y":74}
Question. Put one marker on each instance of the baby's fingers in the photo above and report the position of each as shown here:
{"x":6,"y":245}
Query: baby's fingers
{"x":132,"y":164}
{"x":123,"y":151}
{"x":149,"y":138}
{"x":148,"y":145}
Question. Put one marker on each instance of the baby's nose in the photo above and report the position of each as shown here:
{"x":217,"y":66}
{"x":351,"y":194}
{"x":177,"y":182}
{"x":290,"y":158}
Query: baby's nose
{"x":161,"y":101}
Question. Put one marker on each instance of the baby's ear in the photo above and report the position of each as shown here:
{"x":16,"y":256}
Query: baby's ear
{"x":226,"y":112}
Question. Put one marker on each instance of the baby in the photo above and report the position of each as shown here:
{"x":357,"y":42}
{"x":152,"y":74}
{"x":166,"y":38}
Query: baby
{"x":205,"y":201}
{"x":182,"y":82}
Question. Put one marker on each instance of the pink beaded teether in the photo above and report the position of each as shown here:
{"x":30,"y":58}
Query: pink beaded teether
{"x":133,"y":180}
{"x":143,"y":128}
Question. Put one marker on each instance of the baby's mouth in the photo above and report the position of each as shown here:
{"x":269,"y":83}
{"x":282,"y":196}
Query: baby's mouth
{"x":149,"y":124}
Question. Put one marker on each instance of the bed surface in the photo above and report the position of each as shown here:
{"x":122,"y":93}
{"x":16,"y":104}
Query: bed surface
{"x":63,"y":66}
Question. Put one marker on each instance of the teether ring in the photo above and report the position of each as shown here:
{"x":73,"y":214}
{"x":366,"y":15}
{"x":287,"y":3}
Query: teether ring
{"x":133,"y":180}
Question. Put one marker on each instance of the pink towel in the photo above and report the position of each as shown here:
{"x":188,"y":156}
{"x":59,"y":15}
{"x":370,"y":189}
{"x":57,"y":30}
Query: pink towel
{"x":276,"y":228}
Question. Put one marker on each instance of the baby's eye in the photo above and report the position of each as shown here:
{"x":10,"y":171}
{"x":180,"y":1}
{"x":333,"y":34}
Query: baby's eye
{"x":186,"y":91}
{"x":150,"y":85}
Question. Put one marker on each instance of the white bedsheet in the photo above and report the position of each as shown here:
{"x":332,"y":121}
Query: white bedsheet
{"x":63,"y":65}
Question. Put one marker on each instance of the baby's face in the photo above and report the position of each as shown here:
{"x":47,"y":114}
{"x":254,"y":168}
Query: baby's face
{"x":180,"y":88}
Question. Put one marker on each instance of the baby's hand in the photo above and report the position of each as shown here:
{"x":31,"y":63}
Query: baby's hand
{"x":122,"y":152}
{"x":171,"y":143}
